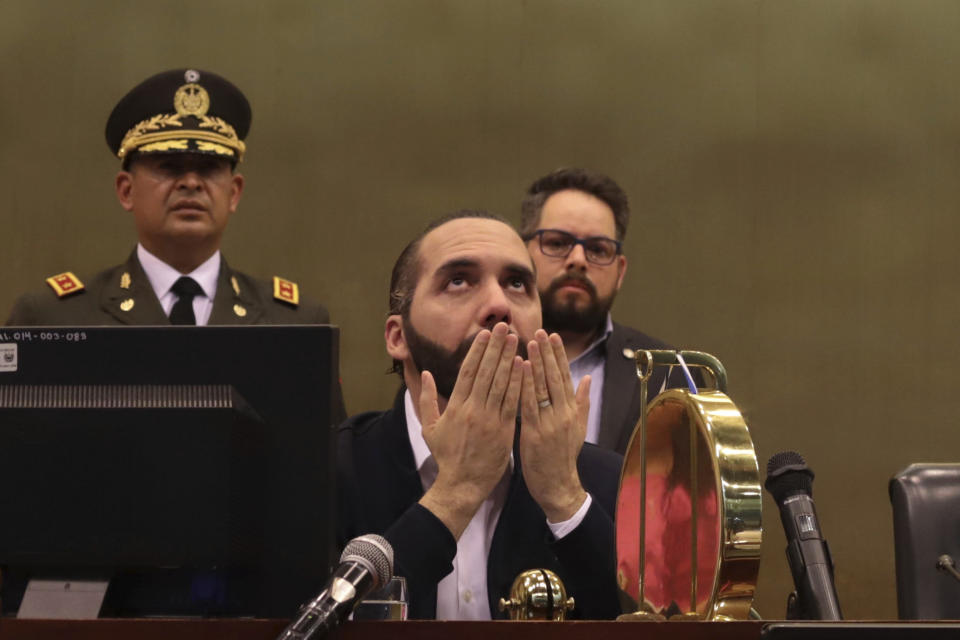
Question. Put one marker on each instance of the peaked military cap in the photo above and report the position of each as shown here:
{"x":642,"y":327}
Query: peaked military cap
{"x":181,"y":111}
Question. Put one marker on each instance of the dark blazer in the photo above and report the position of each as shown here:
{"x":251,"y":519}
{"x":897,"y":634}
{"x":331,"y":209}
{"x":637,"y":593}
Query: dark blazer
{"x":621,"y":387}
{"x":103,"y":300}
{"x":379,"y":489}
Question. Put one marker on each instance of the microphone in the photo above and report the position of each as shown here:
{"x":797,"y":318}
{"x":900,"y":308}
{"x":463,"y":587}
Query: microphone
{"x":946,"y":564}
{"x":790,"y":482}
{"x":366,"y":564}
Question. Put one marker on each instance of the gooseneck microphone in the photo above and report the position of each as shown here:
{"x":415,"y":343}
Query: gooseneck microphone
{"x":946,"y":564}
{"x":366,"y":564}
{"x":790,"y":482}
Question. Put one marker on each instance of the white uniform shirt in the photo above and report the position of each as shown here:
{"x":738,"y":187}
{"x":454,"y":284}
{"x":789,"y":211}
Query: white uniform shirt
{"x":162,"y":276}
{"x":462,"y":595}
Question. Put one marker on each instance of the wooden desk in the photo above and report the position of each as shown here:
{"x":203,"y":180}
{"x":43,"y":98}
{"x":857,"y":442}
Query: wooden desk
{"x":140,"y":629}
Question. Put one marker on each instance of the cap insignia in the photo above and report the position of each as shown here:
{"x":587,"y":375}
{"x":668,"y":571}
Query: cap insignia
{"x":65,"y":284}
{"x":235,"y":284}
{"x":125,"y":280}
{"x":191,"y":100}
{"x":127,"y":304}
{"x":202,"y":132}
{"x":239,"y":310}
{"x":286,"y":291}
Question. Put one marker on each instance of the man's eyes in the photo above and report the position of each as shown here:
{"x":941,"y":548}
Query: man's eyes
{"x":514,"y":282}
{"x":174,"y":169}
{"x":557,"y":243}
{"x":456,"y":282}
{"x":598,"y":249}
{"x":522,"y":284}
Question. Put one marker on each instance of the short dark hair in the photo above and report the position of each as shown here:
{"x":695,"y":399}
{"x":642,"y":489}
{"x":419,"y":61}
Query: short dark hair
{"x":406,"y":270}
{"x":598,"y":185}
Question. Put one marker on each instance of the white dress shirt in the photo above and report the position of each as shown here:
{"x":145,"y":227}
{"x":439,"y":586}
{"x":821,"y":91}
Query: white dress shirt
{"x":591,"y":362}
{"x":162,"y":276}
{"x":462,"y":595}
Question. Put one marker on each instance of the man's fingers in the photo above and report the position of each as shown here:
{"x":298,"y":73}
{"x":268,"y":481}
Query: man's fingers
{"x":551,"y":371}
{"x":583,"y":400}
{"x":508,"y":410}
{"x":529,"y":409}
{"x":561,"y":356}
{"x":468,"y":370}
{"x":537,"y":377}
{"x":501,"y":376}
{"x":488,"y":362}
{"x":429,"y":409}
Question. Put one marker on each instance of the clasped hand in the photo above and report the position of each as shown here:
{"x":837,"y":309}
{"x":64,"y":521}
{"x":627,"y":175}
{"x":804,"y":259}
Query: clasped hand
{"x":472,"y":439}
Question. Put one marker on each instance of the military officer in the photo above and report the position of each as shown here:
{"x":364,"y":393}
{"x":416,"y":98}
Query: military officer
{"x":179,"y":136}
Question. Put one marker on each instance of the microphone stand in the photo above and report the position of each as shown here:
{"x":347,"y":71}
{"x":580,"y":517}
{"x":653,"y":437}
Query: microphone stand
{"x":946,"y":564}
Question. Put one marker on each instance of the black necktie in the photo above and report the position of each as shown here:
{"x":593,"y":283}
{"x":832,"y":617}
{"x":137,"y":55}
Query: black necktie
{"x":182,"y":312}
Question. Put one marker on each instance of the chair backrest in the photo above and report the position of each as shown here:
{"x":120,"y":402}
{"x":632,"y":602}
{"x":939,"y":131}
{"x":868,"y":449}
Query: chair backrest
{"x":926,"y":525}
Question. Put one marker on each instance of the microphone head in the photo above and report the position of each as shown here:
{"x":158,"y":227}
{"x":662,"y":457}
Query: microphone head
{"x":787,"y":475}
{"x":375,"y":553}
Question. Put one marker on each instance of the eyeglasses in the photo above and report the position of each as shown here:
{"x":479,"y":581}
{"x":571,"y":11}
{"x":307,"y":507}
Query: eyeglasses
{"x":558,"y":244}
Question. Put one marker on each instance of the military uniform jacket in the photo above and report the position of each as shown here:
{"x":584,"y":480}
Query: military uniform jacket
{"x":110,"y":298}
{"x":379,"y":489}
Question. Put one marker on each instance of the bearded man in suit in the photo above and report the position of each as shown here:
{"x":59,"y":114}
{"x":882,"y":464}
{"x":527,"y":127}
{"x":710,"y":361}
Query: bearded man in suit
{"x":574,"y":222}
{"x":468,"y":495}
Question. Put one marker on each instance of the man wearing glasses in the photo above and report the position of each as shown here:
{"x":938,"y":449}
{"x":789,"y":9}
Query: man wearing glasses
{"x":574,"y":222}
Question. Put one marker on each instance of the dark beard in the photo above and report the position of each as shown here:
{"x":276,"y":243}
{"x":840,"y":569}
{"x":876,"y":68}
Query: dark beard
{"x":444,"y":365}
{"x":563,"y":315}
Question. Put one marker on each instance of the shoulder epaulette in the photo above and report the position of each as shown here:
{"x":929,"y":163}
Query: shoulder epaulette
{"x":65,"y":284}
{"x":286,"y":291}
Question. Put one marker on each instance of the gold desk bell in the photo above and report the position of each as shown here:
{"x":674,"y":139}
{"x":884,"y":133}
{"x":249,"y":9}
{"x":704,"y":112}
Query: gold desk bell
{"x":537,"y":594}
{"x":688,"y":511}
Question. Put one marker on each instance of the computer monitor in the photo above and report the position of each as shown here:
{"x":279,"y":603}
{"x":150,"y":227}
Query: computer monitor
{"x":193,"y":466}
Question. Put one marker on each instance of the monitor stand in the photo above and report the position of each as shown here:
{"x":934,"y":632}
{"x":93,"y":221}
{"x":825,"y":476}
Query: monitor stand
{"x":63,"y":599}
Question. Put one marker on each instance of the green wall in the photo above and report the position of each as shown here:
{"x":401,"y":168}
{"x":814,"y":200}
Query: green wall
{"x":791,"y":167}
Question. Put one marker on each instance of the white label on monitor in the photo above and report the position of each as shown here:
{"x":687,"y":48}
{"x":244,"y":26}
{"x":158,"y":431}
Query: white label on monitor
{"x":8,"y":356}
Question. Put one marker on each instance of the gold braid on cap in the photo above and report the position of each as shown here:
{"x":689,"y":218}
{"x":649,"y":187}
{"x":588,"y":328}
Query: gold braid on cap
{"x":190,"y":100}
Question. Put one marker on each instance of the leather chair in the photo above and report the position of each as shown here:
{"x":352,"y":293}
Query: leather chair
{"x":926,"y":525}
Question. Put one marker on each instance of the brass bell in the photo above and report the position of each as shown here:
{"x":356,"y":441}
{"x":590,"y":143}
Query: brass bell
{"x":537,"y":594}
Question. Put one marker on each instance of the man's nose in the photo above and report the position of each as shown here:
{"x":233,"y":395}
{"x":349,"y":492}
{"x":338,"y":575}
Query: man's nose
{"x":496,"y":306}
{"x":576,"y":259}
{"x":189,"y":180}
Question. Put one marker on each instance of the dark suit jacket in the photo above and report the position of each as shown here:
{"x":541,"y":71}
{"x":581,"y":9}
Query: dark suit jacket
{"x":100,"y":302}
{"x":379,"y":488}
{"x":621,"y":387}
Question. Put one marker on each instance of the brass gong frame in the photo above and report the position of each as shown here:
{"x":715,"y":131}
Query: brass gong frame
{"x":737,"y":478}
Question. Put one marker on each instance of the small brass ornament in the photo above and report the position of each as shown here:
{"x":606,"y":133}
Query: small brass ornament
{"x":127,"y":304}
{"x":235,"y":284}
{"x":537,"y":594}
{"x":239,"y":310}
{"x":125,"y":280}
